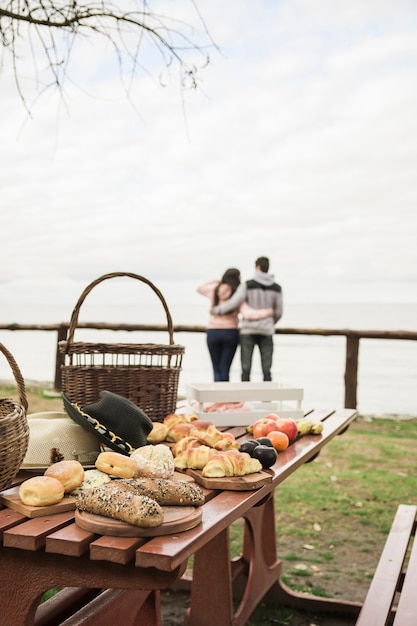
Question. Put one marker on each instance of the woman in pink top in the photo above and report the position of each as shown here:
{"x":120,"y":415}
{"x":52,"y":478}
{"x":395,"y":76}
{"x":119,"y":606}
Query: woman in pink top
{"x":223,"y":330}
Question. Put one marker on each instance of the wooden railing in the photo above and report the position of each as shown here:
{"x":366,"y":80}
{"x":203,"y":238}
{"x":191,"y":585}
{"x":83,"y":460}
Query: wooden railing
{"x":353,"y":338}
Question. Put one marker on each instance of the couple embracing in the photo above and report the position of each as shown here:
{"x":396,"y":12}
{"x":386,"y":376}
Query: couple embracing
{"x":244,"y":313}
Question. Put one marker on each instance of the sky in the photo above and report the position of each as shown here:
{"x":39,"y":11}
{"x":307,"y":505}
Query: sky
{"x":299,"y":144}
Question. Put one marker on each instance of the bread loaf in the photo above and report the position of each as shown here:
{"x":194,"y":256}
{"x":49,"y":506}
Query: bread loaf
{"x":167,"y":492}
{"x":153,"y":460}
{"x":139,"y":510}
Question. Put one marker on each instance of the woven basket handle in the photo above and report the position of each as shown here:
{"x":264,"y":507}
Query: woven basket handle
{"x":18,"y":376}
{"x":90,"y":287}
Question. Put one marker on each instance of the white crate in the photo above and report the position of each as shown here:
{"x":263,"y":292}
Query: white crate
{"x":259,"y":398}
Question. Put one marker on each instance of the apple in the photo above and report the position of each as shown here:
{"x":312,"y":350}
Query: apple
{"x":264,"y":426}
{"x":287,"y":426}
{"x":272,"y":416}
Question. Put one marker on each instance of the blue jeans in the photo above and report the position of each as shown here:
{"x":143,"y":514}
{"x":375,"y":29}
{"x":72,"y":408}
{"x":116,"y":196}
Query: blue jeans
{"x":266,"y":347}
{"x":222,"y":344}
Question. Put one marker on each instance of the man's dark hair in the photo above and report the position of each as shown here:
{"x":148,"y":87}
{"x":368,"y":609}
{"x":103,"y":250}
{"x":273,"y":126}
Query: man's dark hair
{"x":262,"y":263}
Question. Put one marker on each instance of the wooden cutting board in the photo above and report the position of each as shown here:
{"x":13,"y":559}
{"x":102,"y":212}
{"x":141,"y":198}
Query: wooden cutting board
{"x":234,"y":483}
{"x":176,"y":519}
{"x":10,"y":498}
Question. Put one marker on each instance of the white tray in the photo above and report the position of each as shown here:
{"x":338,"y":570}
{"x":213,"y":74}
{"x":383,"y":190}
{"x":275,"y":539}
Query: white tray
{"x":259,"y":398}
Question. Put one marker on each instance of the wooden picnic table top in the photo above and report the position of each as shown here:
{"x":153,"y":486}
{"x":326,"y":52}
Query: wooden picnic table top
{"x":53,"y":551}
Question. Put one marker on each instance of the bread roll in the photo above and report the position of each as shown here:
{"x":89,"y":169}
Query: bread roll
{"x":155,"y":461}
{"x":70,"y":473}
{"x":122,"y":505}
{"x":116,"y":464}
{"x":167,"y":492}
{"x":41,"y":491}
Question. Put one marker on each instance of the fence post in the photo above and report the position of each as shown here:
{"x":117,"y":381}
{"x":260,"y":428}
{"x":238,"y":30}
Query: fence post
{"x":59,"y":358}
{"x":351,"y":370}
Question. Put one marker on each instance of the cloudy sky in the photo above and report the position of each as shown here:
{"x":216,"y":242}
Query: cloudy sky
{"x":300,"y":144}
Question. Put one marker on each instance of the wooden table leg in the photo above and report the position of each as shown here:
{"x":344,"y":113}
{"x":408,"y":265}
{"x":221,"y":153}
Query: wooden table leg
{"x":211,"y":589}
{"x":213,"y":573}
{"x":258,"y":563}
{"x":256,"y":574}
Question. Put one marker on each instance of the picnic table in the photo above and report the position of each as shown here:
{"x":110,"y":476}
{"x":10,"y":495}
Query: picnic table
{"x":53,"y":551}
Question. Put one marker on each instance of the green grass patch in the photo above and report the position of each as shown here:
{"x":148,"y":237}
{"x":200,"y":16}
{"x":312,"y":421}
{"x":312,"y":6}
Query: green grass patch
{"x":341,"y":506}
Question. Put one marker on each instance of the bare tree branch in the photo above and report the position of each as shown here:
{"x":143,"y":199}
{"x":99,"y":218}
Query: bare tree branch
{"x":54,"y":26}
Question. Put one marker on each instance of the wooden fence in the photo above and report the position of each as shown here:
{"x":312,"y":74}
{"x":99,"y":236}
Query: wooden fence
{"x":353,"y":338}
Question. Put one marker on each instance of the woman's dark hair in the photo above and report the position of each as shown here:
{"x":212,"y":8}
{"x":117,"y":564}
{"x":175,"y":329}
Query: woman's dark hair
{"x":231,"y":277}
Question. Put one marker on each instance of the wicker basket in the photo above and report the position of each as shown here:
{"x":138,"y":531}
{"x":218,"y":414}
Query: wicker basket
{"x":14,"y":429}
{"x":146,"y":374}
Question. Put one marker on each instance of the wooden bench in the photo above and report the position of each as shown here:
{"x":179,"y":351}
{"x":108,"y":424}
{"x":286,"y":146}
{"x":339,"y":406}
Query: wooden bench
{"x":392,"y":596}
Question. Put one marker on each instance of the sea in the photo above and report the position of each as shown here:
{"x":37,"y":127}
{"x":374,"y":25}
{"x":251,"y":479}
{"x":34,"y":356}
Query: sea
{"x":387,"y":374}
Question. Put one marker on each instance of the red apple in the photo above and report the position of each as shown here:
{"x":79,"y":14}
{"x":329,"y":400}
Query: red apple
{"x":287,"y":426}
{"x":272,"y":416}
{"x":263,"y":426}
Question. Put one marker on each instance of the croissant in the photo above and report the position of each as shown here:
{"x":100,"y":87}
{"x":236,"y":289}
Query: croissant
{"x":227,"y":442}
{"x":194,"y":458}
{"x":184,"y":444}
{"x":179,"y":418}
{"x":230,"y":463}
{"x":158,"y":433}
{"x":209,"y":436}
{"x":178,"y":431}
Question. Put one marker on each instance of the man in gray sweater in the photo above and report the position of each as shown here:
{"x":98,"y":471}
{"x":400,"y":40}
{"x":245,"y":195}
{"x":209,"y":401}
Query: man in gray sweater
{"x":261,"y":292}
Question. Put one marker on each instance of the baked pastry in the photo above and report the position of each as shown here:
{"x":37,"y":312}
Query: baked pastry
{"x":41,"y":491}
{"x":116,"y":464}
{"x":184,"y":444}
{"x":207,"y":434}
{"x":158,"y":433}
{"x":194,"y":458}
{"x":227,"y":442}
{"x":178,"y":431}
{"x":155,"y":461}
{"x":70,"y":473}
{"x":167,"y":492}
{"x":179,"y":418}
{"x":92,"y":478}
{"x":230,"y":463}
{"x":121,"y":505}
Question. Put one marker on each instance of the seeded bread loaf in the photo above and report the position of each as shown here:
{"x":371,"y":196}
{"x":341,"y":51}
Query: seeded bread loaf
{"x":139,"y":510}
{"x":167,"y":492}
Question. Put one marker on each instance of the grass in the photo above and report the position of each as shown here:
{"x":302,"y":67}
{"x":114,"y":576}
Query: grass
{"x":333,"y":514}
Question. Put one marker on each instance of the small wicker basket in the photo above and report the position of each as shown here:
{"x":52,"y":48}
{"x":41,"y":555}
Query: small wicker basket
{"x":146,"y":374}
{"x":14,"y":429}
